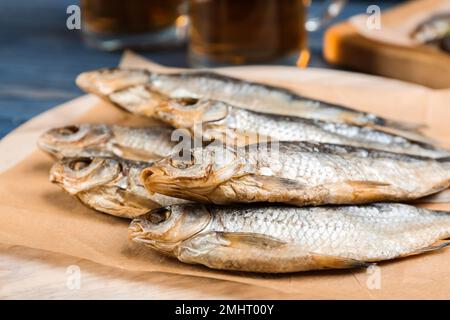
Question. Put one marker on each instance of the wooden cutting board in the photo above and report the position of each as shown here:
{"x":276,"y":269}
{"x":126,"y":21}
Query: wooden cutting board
{"x":44,"y":273}
{"x":345,"y":46}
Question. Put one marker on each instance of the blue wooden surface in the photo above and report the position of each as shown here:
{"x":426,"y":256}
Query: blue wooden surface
{"x":40,"y":57}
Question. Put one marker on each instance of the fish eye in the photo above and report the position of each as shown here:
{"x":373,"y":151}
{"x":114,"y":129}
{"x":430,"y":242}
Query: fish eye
{"x":187,"y":101}
{"x":182,"y":161}
{"x":80,"y":164}
{"x":67,"y":131}
{"x":159,"y":215}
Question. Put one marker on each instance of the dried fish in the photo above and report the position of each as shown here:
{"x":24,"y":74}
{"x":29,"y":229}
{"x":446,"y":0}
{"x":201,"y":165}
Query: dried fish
{"x":299,"y":173}
{"x":213,"y":86}
{"x":278,"y":239}
{"x":237,"y":126}
{"x":91,"y":140}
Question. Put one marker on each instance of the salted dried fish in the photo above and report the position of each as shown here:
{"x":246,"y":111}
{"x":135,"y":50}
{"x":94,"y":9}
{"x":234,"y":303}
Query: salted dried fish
{"x":288,"y":239}
{"x":299,"y":173}
{"x":92,"y":140}
{"x":108,"y":185}
{"x":213,"y":86}
{"x":237,"y":126}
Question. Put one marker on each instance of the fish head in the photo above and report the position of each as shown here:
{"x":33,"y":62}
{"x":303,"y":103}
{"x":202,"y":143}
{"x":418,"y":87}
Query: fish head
{"x":164,"y":228}
{"x":194,"y":174}
{"x":74,"y":140}
{"x":106,"y":81}
{"x":82,"y":174}
{"x":189,"y":112}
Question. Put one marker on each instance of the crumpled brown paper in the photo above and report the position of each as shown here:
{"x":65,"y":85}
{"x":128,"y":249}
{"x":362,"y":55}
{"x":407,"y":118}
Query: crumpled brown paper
{"x":395,"y":30}
{"x":37,"y":214}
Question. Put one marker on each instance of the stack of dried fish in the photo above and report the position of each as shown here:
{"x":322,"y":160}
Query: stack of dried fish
{"x":262,"y":192}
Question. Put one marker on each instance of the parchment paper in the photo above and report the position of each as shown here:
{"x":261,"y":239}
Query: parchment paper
{"x":37,"y":214}
{"x":395,"y":30}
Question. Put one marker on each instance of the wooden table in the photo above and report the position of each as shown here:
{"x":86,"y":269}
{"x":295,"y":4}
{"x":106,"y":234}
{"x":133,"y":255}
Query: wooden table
{"x":34,"y":274}
{"x":39,"y":59}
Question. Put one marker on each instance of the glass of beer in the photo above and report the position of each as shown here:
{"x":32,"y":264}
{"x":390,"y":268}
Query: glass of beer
{"x":117,"y":24}
{"x":233,"y":32}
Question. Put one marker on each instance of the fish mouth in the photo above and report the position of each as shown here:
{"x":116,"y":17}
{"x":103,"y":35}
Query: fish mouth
{"x":155,"y":181}
{"x":50,"y":149}
{"x":136,"y":233}
{"x":135,"y":230}
{"x":55,"y":176}
{"x":106,"y":81}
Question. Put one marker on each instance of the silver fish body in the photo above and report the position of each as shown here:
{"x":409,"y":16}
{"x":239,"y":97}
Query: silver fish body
{"x":92,"y":140}
{"x":288,"y":239}
{"x":237,"y":126}
{"x":108,"y":185}
{"x":298,"y":173}
{"x":236,"y":92}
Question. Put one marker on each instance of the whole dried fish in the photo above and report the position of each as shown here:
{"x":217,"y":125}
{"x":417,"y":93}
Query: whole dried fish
{"x":289,"y":239}
{"x":217,"y":120}
{"x":212,"y":86}
{"x":299,"y":173}
{"x":90,"y":140}
{"x":108,"y":185}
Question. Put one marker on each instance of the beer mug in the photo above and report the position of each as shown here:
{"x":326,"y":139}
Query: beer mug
{"x":227,"y":32}
{"x":117,"y":24}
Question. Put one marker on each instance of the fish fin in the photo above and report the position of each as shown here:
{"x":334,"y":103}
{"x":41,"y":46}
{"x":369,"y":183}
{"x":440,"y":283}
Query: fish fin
{"x":333,"y":262}
{"x":414,"y":136}
{"x":405,"y":126}
{"x":271,"y":182}
{"x":360,"y":191}
{"x":438,"y":245}
{"x":252,"y":239}
{"x":367,"y":184}
{"x":234,"y":137}
{"x":255,"y":253}
{"x":133,"y":154}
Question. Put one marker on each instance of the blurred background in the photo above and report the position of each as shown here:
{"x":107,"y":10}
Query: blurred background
{"x":40,"y":57}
